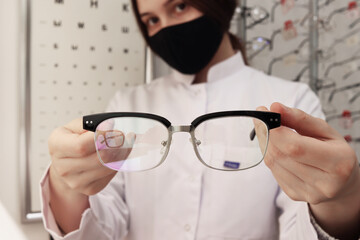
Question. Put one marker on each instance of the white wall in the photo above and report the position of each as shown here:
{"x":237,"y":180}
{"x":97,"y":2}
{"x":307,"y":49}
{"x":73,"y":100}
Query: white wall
{"x":9,"y":122}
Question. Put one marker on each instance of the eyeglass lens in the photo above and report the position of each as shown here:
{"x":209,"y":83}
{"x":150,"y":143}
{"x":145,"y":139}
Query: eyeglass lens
{"x":131,"y":144}
{"x":225,"y":143}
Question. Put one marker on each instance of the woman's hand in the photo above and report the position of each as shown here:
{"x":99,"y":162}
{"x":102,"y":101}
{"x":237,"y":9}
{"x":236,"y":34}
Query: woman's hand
{"x":74,"y":160}
{"x":75,"y":173}
{"x":316,"y":165}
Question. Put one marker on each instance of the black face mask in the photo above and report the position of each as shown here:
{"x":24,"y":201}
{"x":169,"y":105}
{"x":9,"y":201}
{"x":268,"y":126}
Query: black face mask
{"x":190,"y":46}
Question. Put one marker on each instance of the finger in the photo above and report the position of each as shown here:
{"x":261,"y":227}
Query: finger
{"x":305,"y":172}
{"x":288,"y":182}
{"x":262,"y":108}
{"x":64,"y":143}
{"x":261,"y":133}
{"x":300,"y":186}
{"x":114,"y":155}
{"x":80,"y":181}
{"x":98,"y":185}
{"x":68,"y":166}
{"x":287,"y":144}
{"x":75,"y":126}
{"x":319,"y":185}
{"x":304,"y":123}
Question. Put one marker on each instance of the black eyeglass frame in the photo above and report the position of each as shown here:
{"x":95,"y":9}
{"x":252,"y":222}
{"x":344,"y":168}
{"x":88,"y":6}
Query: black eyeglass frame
{"x":272,"y":120}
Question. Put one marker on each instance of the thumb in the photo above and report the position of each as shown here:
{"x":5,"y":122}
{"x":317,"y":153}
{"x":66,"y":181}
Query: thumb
{"x":80,"y":136}
{"x":303,"y":123}
{"x":75,"y":126}
{"x":262,"y":108}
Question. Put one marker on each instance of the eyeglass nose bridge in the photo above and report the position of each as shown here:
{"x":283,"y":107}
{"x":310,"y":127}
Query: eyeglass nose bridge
{"x":188,"y":129}
{"x":184,"y":128}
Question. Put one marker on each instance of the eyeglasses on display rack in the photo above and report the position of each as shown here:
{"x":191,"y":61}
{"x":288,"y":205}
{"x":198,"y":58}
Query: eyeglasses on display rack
{"x":324,"y":88}
{"x":300,"y":54}
{"x":322,"y":84}
{"x":322,"y":24}
{"x":354,"y":58}
{"x":256,"y":45}
{"x":342,"y":89}
{"x":328,"y":53}
{"x":354,"y":98}
{"x":288,"y":31}
{"x":354,"y":23}
{"x":345,"y":119}
{"x":352,"y":10}
{"x":352,"y":6}
{"x":301,"y":73}
{"x":228,"y":141}
{"x":325,"y":3}
{"x":286,"y":6}
{"x":351,"y":73}
{"x":257,"y":15}
{"x":344,"y":114}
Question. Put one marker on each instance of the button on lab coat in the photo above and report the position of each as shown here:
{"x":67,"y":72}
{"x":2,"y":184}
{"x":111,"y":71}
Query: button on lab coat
{"x":182,"y":199}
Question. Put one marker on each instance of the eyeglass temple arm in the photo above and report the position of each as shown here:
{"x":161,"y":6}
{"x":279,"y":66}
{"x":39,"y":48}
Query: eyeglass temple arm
{"x":337,"y":116}
{"x":336,"y":11}
{"x":356,"y":96}
{"x":353,"y":24}
{"x":258,"y":21}
{"x":349,"y":74}
{"x":326,"y":3}
{"x":301,"y":73}
{"x":252,"y":134}
{"x":335,"y":91}
{"x":273,"y":8}
{"x":338,"y":64}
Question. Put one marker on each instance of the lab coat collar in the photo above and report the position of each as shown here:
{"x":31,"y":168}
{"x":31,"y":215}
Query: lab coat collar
{"x":219,"y":71}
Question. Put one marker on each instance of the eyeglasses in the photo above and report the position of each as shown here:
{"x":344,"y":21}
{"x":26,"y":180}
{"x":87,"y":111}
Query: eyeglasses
{"x":354,"y":23}
{"x":354,"y":58}
{"x":353,"y":98}
{"x":326,"y":83}
{"x":345,"y":119}
{"x":324,"y":88}
{"x":256,"y":45}
{"x":256,"y":15}
{"x":288,"y":31}
{"x":330,"y":52}
{"x":351,"y":72}
{"x":287,"y":5}
{"x":300,"y":54}
{"x":228,"y":141}
{"x":325,"y":3}
{"x":342,"y":89}
{"x":302,"y":72}
{"x":323,"y":24}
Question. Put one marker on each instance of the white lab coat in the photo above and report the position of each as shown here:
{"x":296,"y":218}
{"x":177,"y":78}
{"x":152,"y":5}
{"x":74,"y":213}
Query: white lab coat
{"x":182,"y":199}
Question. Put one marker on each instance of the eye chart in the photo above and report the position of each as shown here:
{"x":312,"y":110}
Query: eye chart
{"x":78,"y":54}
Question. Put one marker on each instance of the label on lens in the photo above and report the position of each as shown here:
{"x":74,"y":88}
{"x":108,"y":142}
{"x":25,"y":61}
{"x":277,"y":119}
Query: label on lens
{"x":232,"y":165}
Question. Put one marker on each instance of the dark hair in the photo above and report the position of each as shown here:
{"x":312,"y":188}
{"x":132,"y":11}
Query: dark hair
{"x":221,"y":11}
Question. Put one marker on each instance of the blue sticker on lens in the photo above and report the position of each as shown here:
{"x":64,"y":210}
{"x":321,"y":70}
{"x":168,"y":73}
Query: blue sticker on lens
{"x":233,"y":165}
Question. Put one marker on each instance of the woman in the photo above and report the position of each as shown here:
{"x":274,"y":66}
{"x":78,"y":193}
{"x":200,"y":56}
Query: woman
{"x":182,"y":199}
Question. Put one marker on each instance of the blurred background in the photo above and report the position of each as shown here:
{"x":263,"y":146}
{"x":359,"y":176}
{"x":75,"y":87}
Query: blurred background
{"x":64,"y":59}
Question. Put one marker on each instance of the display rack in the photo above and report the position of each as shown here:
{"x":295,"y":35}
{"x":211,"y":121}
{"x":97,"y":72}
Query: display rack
{"x":320,"y":45}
